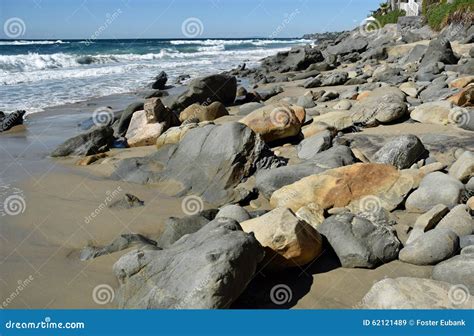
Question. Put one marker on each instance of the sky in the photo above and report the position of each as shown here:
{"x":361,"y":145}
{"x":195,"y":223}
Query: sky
{"x":83,"y":19}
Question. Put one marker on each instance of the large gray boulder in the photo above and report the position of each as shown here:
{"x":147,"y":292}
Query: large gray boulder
{"x":383,"y":105}
{"x":269,"y":180}
{"x":401,"y":152}
{"x":413,"y":293}
{"x":234,"y":212}
{"x":208,"y":269}
{"x":431,"y":247}
{"x":429,"y":193}
{"x":295,"y":59}
{"x":210,"y":161}
{"x":439,"y":50}
{"x":221,"y":88}
{"x":94,"y":141}
{"x":359,"y":242}
{"x":458,"y":220}
{"x":348,"y":46}
{"x":457,"y":270}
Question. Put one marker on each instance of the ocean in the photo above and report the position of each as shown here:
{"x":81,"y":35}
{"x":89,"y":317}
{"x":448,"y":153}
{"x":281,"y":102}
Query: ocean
{"x":38,"y":74}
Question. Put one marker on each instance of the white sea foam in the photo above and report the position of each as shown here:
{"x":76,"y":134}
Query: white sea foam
{"x":22,"y":42}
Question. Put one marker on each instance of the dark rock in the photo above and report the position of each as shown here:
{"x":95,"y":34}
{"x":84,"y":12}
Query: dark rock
{"x":315,"y":144}
{"x":359,"y":242}
{"x":208,"y":269}
{"x":160,"y":81}
{"x":439,"y":50}
{"x":306,"y":74}
{"x":312,"y":83}
{"x":206,"y":90}
{"x":401,"y":152}
{"x":175,"y":227}
{"x":210,"y":161}
{"x":98,"y":140}
{"x":335,"y":78}
{"x":349,"y":45}
{"x":267,"y":94}
{"x":126,"y":116}
{"x":296,"y":59}
{"x":10,"y":120}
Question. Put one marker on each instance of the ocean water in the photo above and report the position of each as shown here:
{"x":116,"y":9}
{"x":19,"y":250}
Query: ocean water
{"x":38,"y":74}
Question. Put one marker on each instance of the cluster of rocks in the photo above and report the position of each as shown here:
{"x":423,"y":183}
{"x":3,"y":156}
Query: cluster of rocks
{"x":290,"y":176}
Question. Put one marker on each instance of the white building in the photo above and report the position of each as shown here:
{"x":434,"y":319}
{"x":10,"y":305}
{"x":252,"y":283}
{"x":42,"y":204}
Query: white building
{"x":411,"y":7}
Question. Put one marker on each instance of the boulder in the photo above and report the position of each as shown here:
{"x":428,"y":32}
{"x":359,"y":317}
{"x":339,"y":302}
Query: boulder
{"x":428,"y":194}
{"x":174,"y":134}
{"x":209,"y":161}
{"x":401,"y":152}
{"x":249,"y":108}
{"x":208,"y":269}
{"x":313,"y":82}
{"x":221,"y":88}
{"x":97,"y":140}
{"x":464,"y":98}
{"x":141,"y":132}
{"x":296,"y":59}
{"x":160,"y":81}
{"x":430,"y":248}
{"x":358,"y":242}
{"x":276,"y":121}
{"x":287,"y":240}
{"x":383,"y":105}
{"x":126,"y":116}
{"x":156,"y":112}
{"x":311,"y":146}
{"x":463,"y":168}
{"x":412,"y":293}
{"x":458,"y":220}
{"x":175,"y":227}
{"x":459,"y":270}
{"x":343,"y":105}
{"x":439,"y":50}
{"x":234,"y":212}
{"x":461,"y":82}
{"x":348,"y":46}
{"x":339,"y":120}
{"x":335,"y":78}
{"x":269,"y":180}
{"x":7,"y":121}
{"x":339,"y":187}
{"x":432,"y":113}
{"x":203,"y":112}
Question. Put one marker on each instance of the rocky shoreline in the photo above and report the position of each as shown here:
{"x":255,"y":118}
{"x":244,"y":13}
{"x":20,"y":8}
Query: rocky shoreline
{"x":353,"y":155}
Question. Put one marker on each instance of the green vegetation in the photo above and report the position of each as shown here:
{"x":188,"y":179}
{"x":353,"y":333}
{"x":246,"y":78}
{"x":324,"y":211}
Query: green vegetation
{"x":390,"y":17}
{"x":440,"y":13}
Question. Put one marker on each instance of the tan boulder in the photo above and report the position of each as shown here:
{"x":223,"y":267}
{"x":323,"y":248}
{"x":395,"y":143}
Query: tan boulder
{"x":203,"y":112}
{"x":462,"y":82}
{"x":432,"y":113}
{"x":142,"y":133}
{"x":358,"y":186}
{"x":175,"y":134}
{"x":288,"y":241}
{"x":464,"y":98}
{"x":276,"y":121}
{"x":410,"y":89}
{"x":156,"y":112}
{"x":336,"y":119}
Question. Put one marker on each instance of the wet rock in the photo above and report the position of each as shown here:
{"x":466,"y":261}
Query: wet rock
{"x":95,"y":141}
{"x":189,"y":274}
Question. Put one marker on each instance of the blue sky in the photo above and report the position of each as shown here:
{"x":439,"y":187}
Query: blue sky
{"x":56,"y":19}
